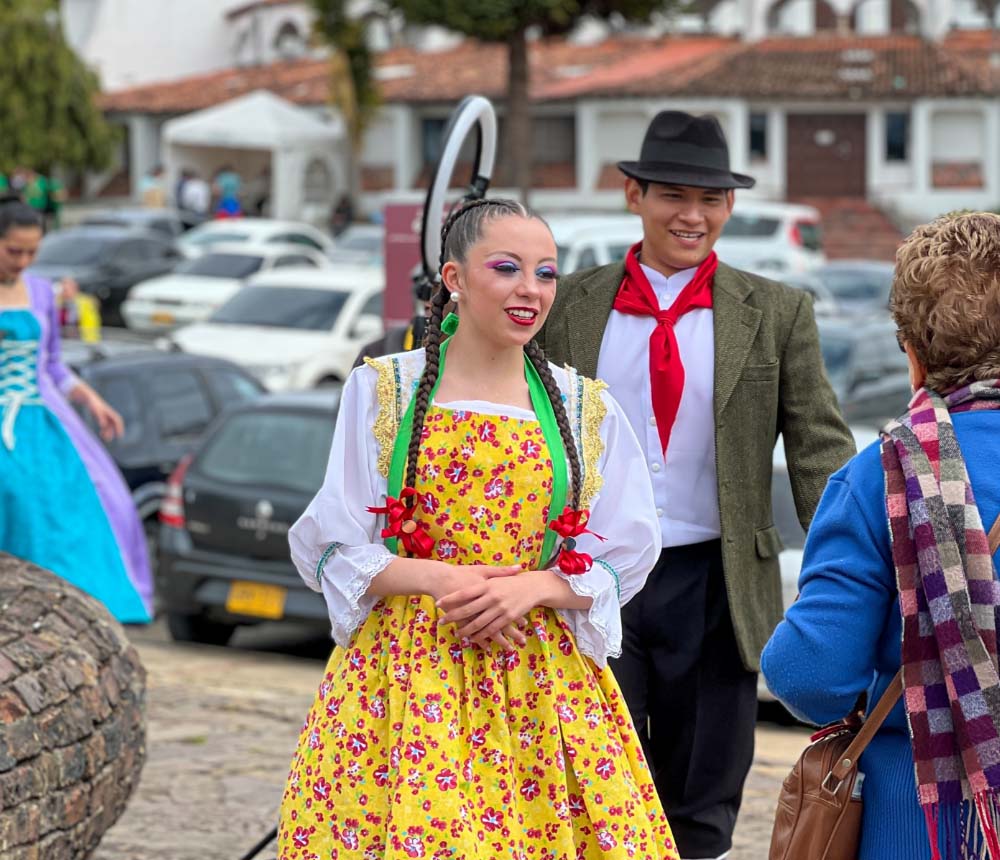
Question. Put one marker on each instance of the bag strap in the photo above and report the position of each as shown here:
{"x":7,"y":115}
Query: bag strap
{"x":877,"y":715}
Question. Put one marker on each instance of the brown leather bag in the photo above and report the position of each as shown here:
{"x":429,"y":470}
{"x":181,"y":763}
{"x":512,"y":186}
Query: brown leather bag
{"x":818,"y":816}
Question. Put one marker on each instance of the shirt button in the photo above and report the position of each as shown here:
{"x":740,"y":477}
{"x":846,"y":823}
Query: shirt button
{"x":655,"y":467}
{"x":652,"y":420}
{"x":659,"y":512}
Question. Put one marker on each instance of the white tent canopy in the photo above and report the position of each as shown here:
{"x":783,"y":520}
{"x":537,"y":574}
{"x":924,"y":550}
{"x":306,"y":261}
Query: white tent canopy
{"x":306,"y":156}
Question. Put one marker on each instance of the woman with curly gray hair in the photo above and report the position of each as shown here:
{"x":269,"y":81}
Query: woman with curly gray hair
{"x":898,"y":569}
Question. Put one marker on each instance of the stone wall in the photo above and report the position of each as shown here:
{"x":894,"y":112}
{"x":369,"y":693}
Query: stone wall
{"x":72,"y":730}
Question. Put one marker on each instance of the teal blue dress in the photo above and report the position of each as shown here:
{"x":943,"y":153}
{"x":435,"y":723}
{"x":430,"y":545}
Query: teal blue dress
{"x":50,"y":513}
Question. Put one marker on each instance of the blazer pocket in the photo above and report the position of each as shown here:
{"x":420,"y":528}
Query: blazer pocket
{"x":760,"y":372}
{"x":768,"y":542}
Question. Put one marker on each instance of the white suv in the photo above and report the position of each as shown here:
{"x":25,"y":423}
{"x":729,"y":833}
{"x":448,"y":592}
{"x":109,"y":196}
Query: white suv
{"x":769,"y":239}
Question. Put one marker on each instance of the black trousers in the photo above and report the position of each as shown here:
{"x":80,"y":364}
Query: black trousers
{"x":693,"y":703}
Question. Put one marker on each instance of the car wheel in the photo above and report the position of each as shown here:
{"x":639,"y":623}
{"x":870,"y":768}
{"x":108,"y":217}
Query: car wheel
{"x":328,"y":382}
{"x":197,"y":628}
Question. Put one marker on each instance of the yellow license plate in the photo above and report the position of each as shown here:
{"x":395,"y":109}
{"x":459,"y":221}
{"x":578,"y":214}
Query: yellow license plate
{"x":260,"y":601}
{"x":163,"y":318}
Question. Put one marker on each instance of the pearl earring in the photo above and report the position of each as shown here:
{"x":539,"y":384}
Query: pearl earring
{"x":454,"y":296}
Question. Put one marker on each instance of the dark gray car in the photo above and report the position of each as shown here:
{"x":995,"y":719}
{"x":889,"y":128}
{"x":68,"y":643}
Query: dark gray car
{"x":223,"y":548}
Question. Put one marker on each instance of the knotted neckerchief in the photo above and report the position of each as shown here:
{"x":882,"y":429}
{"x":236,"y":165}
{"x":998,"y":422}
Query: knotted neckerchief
{"x":666,"y":370}
{"x":948,"y":597}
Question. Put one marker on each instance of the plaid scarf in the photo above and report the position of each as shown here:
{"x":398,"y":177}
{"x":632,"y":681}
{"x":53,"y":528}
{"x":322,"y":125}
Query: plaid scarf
{"x":948,"y":597}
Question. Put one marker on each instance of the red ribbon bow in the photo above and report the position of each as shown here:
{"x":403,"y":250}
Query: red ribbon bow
{"x":569,"y":526}
{"x":401,"y":525}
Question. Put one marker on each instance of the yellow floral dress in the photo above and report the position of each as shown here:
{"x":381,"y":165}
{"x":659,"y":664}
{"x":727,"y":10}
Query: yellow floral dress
{"x":420,"y":745}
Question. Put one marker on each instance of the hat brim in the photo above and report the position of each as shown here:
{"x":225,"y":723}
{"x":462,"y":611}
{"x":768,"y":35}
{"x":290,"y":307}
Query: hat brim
{"x":667,"y":173}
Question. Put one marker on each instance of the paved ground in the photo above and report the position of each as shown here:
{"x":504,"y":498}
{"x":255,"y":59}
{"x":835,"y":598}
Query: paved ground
{"x":222,"y":723}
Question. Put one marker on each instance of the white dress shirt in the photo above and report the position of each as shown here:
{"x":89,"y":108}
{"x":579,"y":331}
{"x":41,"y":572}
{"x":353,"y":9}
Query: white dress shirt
{"x":684,"y":486}
{"x":337,"y":550}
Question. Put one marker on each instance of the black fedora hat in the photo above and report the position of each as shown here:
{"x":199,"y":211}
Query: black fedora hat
{"x":681,"y":149}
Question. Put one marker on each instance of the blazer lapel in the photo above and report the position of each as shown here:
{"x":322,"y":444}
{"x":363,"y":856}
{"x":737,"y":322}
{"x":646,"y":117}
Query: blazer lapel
{"x":735,"y":324}
{"x":586,"y":317}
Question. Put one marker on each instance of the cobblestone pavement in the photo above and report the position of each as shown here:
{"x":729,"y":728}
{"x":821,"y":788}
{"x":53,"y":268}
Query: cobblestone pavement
{"x":222,"y":724}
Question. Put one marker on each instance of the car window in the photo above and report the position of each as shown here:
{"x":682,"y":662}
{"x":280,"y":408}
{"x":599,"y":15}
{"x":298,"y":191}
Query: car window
{"x":836,"y":349}
{"x":810,"y":235}
{"x":150,"y":249}
{"x":287,"y":450}
{"x":131,"y":251}
{"x":587,"y":258}
{"x":214,"y":237}
{"x":868,"y":285}
{"x":231,"y":387}
{"x":123,"y":396}
{"x":70,"y":250}
{"x":283,"y":307}
{"x":616,"y":253}
{"x":295,"y":260}
{"x":365,"y":241}
{"x":182,"y":403}
{"x":746,"y":226}
{"x":221,"y":265}
{"x":297,"y":239}
{"x":375,"y":305}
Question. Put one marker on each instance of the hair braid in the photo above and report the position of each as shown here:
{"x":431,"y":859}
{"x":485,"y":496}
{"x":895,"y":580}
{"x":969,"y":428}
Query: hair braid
{"x":428,"y":378}
{"x":537,"y":357}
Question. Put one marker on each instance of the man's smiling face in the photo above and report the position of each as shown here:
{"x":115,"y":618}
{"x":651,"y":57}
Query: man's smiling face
{"x":680,"y":223}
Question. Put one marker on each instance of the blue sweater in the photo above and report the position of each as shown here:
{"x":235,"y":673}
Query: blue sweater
{"x":842,"y":636}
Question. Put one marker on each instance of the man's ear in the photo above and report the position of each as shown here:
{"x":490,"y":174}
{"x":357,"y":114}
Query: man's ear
{"x":633,"y":195}
{"x":730,"y":200}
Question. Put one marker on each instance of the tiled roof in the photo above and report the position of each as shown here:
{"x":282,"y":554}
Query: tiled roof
{"x":559,"y":70}
{"x":820,"y":67}
{"x":826,"y":67}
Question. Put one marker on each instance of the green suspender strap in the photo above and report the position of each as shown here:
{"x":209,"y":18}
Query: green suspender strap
{"x":546,"y":417}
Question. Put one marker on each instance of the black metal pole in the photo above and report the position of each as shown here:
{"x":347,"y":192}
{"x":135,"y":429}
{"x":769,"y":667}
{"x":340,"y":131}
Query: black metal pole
{"x":260,"y":846}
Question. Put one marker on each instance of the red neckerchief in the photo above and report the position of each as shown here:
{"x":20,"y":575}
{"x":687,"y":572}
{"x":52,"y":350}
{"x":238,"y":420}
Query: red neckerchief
{"x":666,"y":370}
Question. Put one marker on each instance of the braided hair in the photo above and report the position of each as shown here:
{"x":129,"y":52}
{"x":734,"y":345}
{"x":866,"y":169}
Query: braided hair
{"x":462,"y":229}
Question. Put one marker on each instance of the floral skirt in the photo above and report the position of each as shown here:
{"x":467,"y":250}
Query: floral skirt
{"x":418,"y":746}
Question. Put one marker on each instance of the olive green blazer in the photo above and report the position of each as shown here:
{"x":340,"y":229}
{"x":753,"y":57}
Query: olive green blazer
{"x":769,"y":379}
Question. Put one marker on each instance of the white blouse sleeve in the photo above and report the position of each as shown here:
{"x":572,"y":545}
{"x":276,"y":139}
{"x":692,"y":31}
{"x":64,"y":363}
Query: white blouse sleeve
{"x":624,"y":513}
{"x":335,"y":544}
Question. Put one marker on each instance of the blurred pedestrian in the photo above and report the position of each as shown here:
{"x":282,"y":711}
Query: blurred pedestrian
{"x":153,"y":189}
{"x":196,"y":194}
{"x":228,"y":186}
{"x":898,"y":553}
{"x":468,"y":710}
{"x":710,"y":364}
{"x":63,"y":503}
{"x":342,"y":215}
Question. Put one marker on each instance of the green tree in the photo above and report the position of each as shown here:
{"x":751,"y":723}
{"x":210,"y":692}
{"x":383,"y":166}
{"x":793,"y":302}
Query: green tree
{"x":352,"y":87}
{"x":508,"y":22}
{"x":48,"y":97}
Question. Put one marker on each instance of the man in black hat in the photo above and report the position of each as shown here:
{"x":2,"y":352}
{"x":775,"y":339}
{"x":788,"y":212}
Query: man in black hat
{"x":710,"y":364}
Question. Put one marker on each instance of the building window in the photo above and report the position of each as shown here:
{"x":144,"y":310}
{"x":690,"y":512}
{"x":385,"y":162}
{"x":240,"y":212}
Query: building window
{"x":897,"y":135}
{"x":758,"y":136}
{"x":432,"y":138}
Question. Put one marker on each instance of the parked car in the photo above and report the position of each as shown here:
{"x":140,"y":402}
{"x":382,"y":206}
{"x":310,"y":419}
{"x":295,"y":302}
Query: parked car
{"x":865,"y":367}
{"x":858,"y":285}
{"x":223,"y":547}
{"x":294,"y":328}
{"x":769,"y":239}
{"x":256,"y":230}
{"x":171,"y":223}
{"x":199,"y":286}
{"x":360,"y":243}
{"x":824,"y":304}
{"x":106,"y":262}
{"x":167,"y":401}
{"x":772,"y":239}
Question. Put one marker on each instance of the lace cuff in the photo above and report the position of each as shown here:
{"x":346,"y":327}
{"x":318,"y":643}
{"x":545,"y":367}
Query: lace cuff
{"x":346,"y":577}
{"x":598,"y":630}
